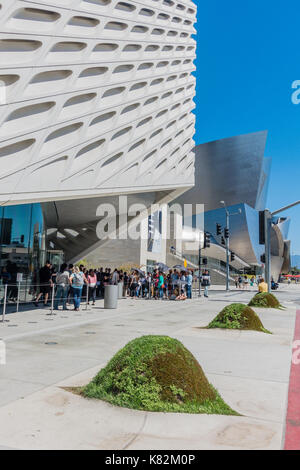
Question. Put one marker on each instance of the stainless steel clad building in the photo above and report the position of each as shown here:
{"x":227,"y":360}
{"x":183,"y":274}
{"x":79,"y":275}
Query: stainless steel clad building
{"x":236,"y":172}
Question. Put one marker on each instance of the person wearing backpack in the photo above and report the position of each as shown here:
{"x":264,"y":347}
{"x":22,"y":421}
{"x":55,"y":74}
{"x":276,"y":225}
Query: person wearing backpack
{"x":77,"y":281}
{"x":62,"y":283}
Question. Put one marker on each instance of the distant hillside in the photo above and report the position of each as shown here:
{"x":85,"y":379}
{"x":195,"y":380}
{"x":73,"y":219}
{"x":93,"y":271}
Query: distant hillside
{"x":296,"y":261}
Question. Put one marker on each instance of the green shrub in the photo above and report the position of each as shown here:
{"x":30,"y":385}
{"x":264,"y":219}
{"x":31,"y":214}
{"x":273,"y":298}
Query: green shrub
{"x":264,"y":300}
{"x":156,"y":373}
{"x":238,"y":317}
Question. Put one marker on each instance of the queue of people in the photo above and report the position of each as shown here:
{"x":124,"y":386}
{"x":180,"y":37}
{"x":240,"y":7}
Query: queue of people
{"x":175,"y":285}
{"x":74,"y":284}
{"x":71,"y":284}
{"x":244,"y":282}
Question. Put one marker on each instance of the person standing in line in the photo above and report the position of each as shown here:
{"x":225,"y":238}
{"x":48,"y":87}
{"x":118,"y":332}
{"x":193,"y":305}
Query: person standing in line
{"x":169,"y":283}
{"x":182,"y":283}
{"x":115,"y":278}
{"x":166,"y":287}
{"x":139,"y":287}
{"x":85,"y":272}
{"x":125,"y":285}
{"x":70,"y":271}
{"x":155,"y":284}
{"x":161,"y":285}
{"x":62,"y":283}
{"x":92,"y":286}
{"x":189,"y":285}
{"x":175,"y":278}
{"x":206,"y":282}
{"x":106,"y":279}
{"x":77,"y":281}
{"x":102,"y":278}
{"x":133,"y":285}
{"x":98,"y":288}
{"x":144,"y":287}
{"x":46,"y":283}
{"x":149,"y":284}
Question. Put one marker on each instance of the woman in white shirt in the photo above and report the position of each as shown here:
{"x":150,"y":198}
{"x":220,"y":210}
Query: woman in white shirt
{"x":62,"y":283}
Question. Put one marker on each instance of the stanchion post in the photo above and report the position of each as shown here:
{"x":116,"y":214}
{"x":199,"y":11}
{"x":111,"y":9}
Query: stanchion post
{"x":199,"y":271}
{"x":4,"y":303}
{"x":87,"y":297}
{"x":18,"y":298}
{"x":52,"y":299}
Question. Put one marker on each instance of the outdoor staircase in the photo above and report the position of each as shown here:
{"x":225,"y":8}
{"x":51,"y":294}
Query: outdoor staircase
{"x":218,"y":276}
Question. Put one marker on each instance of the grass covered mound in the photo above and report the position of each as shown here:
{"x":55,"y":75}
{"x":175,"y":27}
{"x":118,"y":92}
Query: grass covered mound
{"x":238,"y":317}
{"x":156,"y":373}
{"x":264,"y":300}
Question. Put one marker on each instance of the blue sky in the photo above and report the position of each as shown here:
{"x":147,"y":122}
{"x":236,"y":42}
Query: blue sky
{"x":247,"y":59}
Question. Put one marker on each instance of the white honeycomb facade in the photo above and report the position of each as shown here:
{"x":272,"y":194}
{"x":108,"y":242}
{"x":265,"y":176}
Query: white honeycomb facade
{"x":96,"y":97}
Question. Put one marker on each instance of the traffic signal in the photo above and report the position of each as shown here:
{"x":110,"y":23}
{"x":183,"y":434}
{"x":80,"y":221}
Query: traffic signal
{"x":226,"y":233}
{"x":219,"y":229}
{"x":262,"y":227}
{"x":207,"y":240}
{"x":223,"y":241}
{"x":205,"y":261}
{"x":232,"y":256}
{"x":263,"y":259}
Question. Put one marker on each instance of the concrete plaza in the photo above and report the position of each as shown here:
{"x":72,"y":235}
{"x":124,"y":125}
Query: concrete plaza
{"x":46,"y":353}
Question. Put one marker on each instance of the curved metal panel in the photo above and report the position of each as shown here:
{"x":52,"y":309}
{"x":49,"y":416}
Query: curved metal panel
{"x":244,"y":236}
{"x":233,"y":170}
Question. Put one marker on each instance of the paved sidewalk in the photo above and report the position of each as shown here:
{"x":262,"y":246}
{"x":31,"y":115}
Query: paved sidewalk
{"x":251,"y":371}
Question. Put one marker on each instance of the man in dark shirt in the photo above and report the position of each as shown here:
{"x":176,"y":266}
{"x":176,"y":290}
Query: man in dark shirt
{"x":46,"y":283}
{"x":12,"y":291}
{"x":100,"y":288}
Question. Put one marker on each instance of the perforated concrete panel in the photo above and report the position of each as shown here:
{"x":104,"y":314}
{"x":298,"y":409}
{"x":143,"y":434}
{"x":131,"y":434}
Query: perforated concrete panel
{"x":96,"y":97}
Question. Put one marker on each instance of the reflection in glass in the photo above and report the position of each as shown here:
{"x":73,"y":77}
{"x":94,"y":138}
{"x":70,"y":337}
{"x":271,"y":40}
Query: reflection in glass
{"x":22,"y":239}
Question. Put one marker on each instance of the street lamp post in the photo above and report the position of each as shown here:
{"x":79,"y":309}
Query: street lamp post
{"x":228,"y":215}
{"x":200,"y":263}
{"x":227,"y":252}
{"x":268,"y":224}
{"x":227,"y":245}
